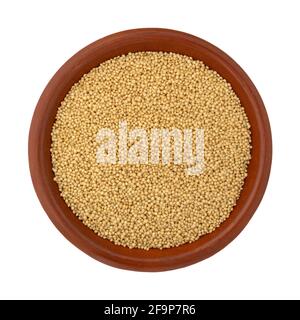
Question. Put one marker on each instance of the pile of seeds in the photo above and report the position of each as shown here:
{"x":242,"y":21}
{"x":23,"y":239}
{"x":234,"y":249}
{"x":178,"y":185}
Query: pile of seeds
{"x":143,"y":205}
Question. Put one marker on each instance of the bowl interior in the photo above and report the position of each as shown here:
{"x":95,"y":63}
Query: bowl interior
{"x":40,"y":141}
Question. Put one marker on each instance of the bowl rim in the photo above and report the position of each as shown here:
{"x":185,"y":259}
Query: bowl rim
{"x":104,"y":250}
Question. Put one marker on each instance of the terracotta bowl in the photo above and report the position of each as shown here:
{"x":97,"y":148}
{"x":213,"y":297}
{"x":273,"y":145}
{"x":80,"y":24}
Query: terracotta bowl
{"x":40,"y":140}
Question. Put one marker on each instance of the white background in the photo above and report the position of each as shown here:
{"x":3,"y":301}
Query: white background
{"x":37,"y":37}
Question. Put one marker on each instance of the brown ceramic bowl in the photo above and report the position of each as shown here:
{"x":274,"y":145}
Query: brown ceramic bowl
{"x":40,"y":140}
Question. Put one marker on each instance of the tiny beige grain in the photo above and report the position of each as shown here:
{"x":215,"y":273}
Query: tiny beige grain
{"x":151,"y":206}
